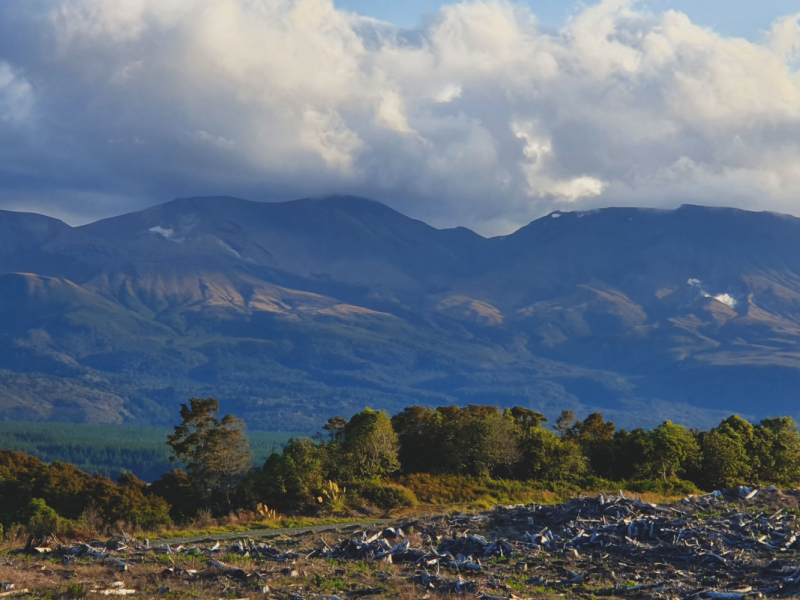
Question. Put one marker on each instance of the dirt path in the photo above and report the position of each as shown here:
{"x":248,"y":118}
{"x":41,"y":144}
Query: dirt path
{"x":263,"y":533}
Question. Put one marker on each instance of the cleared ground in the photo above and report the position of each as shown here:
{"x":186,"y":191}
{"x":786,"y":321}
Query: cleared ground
{"x":742,"y":543}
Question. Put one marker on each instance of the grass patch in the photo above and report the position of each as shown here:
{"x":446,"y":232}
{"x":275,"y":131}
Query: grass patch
{"x":287,"y":523}
{"x":478,"y":492}
{"x":484,"y":493}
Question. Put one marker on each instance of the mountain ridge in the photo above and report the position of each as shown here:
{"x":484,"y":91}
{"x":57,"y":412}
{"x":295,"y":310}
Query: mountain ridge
{"x":292,"y":312}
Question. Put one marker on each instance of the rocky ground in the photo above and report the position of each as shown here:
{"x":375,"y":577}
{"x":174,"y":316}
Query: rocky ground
{"x":737,"y":544}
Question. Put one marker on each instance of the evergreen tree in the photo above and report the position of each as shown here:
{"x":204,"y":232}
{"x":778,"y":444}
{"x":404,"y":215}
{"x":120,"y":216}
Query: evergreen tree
{"x":214,"y":451}
{"x":416,"y":431}
{"x":546,"y":457}
{"x":370,"y":445}
{"x":780,"y":464}
{"x":725,"y":461}
{"x":667,"y":451}
{"x":490,"y":445}
{"x":564,"y":422}
{"x":292,"y":479}
{"x":596,"y":438}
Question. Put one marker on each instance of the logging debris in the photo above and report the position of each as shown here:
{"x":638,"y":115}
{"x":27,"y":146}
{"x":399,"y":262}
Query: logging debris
{"x":739,"y":543}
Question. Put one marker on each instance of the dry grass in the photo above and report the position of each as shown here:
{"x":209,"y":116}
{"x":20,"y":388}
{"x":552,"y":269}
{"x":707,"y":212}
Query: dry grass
{"x":148,"y":576}
{"x":316,"y":577}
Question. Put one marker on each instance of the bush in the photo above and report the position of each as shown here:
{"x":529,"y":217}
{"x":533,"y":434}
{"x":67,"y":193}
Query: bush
{"x":68,"y":492}
{"x":42,"y":519}
{"x":386,"y":495}
{"x":176,"y":488}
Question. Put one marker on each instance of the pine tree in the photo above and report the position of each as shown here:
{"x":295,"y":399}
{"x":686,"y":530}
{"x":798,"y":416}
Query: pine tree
{"x":214,"y":451}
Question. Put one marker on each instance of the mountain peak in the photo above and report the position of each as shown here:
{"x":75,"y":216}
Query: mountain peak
{"x":314,"y":304}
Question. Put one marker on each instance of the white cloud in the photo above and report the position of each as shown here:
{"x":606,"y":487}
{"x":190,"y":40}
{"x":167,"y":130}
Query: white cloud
{"x":448,"y":93}
{"x":220,"y":142}
{"x":538,"y":151}
{"x":479,"y":117}
{"x":785,"y":37}
{"x":327,"y":134}
{"x":16,"y":95}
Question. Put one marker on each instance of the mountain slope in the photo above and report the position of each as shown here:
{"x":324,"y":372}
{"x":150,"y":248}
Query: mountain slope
{"x":293,"y":312}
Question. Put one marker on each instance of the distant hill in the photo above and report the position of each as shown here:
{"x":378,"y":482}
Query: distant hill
{"x":296,"y":311}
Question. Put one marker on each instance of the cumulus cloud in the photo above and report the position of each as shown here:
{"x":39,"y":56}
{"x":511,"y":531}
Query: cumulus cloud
{"x":478,"y":117}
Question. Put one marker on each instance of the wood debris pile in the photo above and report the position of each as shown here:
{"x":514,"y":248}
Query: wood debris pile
{"x":712,"y":546}
{"x":734,"y":544}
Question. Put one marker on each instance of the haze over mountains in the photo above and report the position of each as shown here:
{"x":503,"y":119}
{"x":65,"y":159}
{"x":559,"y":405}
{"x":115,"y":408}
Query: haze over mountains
{"x":293,"y":312}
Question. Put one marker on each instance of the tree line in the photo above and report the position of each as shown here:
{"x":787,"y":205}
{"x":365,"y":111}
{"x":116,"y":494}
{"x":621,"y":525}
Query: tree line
{"x":374,"y":458}
{"x":516,"y":443}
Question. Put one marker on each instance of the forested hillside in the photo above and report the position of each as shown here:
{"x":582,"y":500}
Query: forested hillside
{"x":112,"y":450}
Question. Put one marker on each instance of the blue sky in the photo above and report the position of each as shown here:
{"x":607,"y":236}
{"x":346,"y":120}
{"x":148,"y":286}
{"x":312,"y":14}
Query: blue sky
{"x":740,"y":18}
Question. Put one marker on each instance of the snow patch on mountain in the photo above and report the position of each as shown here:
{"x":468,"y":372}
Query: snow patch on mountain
{"x":725,"y":298}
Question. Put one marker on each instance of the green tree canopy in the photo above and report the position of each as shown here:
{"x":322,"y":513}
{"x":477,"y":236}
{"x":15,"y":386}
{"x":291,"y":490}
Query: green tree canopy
{"x":214,"y":451}
{"x":596,"y":438}
{"x":546,"y":457}
{"x":725,"y":460}
{"x":779,"y":455}
{"x":416,"y":428}
{"x":294,"y":477}
{"x":370,"y":445}
{"x":667,"y":451}
{"x":489,"y":445}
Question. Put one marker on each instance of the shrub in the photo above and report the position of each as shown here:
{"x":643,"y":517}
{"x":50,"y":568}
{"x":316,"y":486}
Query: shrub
{"x":563,"y":491}
{"x":42,"y":519}
{"x":68,"y":491}
{"x":332,"y":497}
{"x":176,"y":488}
{"x":386,"y":495}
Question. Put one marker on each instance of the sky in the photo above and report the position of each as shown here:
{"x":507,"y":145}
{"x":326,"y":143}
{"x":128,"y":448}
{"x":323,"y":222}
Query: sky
{"x":484,"y":113}
{"x":738,"y":18}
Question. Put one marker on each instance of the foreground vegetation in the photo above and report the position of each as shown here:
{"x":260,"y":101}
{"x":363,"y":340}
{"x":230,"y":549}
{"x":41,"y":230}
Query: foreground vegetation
{"x":372,"y":463}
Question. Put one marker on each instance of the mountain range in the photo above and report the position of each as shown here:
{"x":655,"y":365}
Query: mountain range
{"x":294,"y":312}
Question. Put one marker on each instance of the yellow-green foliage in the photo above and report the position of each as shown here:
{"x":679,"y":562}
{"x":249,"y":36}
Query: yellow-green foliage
{"x":461,"y":489}
{"x":30,"y":489}
{"x":266,"y":513}
{"x":332,"y":498}
{"x":43,"y":520}
{"x":385,"y":495}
